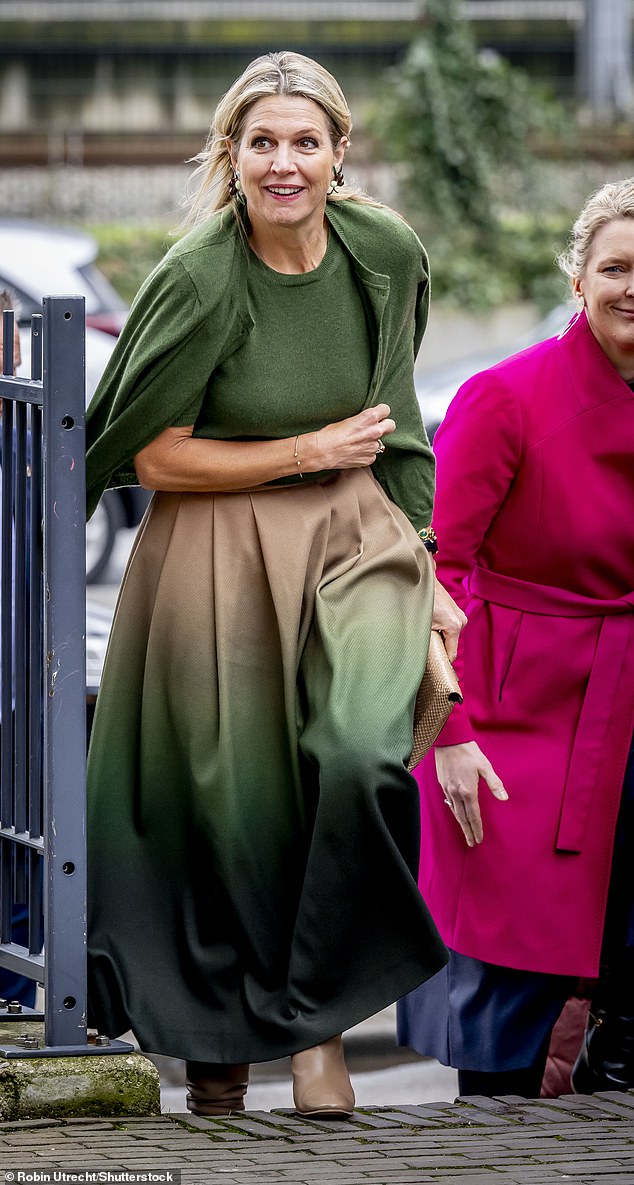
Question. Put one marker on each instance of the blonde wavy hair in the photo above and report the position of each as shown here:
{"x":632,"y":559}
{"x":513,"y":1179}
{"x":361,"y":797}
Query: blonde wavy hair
{"x":284,"y":73}
{"x":614,"y":200}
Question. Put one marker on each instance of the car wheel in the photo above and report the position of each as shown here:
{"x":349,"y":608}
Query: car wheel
{"x":101,"y":532}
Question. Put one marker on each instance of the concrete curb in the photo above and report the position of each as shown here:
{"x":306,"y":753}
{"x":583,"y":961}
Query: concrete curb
{"x":66,"y":1087}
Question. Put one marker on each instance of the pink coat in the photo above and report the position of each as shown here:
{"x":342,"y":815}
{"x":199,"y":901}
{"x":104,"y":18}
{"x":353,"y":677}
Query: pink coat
{"x":535,"y":521}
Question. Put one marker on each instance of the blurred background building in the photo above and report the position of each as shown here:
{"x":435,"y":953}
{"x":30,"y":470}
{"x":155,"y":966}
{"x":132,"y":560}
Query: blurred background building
{"x":112,"y":81}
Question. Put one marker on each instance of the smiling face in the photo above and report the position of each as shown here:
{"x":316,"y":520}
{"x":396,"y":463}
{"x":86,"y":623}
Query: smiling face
{"x":285,"y":159}
{"x":607,"y":287}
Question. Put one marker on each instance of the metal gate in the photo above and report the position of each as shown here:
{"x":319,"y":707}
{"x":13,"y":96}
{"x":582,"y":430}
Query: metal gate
{"x":43,"y":679}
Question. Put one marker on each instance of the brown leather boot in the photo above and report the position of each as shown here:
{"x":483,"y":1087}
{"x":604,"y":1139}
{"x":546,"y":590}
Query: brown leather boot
{"x":321,"y":1083}
{"x":214,"y":1089}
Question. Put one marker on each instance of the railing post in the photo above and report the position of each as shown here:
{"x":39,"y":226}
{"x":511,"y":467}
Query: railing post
{"x":64,"y":691}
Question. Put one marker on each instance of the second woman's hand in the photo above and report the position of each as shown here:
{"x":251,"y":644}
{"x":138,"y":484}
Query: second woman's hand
{"x":448,"y":618}
{"x":459,"y":769}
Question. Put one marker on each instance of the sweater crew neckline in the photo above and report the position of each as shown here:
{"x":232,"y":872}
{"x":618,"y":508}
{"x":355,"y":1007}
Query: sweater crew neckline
{"x":327,"y":265}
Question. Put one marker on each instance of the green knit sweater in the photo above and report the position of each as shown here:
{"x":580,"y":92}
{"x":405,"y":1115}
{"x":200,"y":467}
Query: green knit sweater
{"x":194,"y":313}
{"x":306,"y":362}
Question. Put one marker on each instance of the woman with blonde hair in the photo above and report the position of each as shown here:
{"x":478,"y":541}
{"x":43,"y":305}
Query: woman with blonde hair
{"x":528,"y":873}
{"x":248,"y":765}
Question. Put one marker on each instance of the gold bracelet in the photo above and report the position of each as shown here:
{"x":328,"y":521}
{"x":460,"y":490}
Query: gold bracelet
{"x":297,"y":458}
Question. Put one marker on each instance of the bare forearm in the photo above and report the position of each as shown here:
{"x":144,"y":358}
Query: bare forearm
{"x":178,"y":461}
{"x":194,"y":464}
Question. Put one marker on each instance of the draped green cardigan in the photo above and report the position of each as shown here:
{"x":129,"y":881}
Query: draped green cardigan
{"x":192,"y":312}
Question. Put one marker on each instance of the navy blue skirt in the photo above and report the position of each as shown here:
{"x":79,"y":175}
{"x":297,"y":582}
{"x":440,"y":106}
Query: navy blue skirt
{"x":479,"y":1016}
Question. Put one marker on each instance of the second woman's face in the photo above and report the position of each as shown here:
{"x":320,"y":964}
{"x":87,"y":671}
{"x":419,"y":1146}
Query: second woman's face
{"x":607,"y":287}
{"x":285,"y":160}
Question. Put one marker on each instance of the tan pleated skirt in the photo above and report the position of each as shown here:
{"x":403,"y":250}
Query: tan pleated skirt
{"x":253,"y":829}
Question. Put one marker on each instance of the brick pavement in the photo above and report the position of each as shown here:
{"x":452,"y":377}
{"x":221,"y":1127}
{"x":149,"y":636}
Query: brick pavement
{"x":582,"y":1140}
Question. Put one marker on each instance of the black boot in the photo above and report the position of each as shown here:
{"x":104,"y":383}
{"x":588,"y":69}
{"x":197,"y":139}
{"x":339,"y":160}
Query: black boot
{"x":606,"y":1060}
{"x":498,"y":1083}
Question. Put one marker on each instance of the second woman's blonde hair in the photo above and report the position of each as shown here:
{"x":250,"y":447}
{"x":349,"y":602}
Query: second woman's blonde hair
{"x":614,"y":200}
{"x":285,"y":73}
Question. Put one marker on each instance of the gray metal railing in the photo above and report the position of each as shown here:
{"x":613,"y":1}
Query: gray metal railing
{"x":43,"y":679}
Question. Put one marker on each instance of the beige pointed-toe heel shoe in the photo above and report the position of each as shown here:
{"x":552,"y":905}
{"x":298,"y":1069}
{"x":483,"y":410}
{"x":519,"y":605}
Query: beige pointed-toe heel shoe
{"x":321,"y":1083}
{"x":216,"y":1089}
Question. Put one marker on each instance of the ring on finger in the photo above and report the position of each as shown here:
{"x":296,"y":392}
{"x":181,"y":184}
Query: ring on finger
{"x":380,"y":447}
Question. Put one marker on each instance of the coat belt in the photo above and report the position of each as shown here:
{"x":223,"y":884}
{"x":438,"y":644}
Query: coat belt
{"x":607,"y":711}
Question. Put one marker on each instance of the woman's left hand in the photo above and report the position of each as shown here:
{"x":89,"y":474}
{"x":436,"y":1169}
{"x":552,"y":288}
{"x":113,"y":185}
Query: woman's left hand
{"x":459,"y":769}
{"x":448,"y":619}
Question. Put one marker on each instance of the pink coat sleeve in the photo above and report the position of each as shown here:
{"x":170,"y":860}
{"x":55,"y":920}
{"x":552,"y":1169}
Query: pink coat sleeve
{"x":478,"y":448}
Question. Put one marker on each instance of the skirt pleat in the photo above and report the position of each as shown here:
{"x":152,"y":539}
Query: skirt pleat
{"x":253,"y":829}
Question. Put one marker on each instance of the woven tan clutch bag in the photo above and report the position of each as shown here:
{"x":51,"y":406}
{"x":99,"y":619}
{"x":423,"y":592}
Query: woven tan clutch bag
{"x":437,"y":694}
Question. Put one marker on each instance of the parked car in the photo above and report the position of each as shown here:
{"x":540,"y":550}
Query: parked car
{"x":98,"y":622}
{"x":436,"y":389}
{"x":38,"y":260}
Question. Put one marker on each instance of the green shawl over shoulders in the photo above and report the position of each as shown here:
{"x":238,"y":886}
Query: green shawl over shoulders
{"x":192,"y":313}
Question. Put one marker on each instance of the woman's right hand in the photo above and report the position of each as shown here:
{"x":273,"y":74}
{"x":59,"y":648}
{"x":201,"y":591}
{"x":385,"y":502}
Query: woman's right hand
{"x":459,"y":769}
{"x":348,"y":444}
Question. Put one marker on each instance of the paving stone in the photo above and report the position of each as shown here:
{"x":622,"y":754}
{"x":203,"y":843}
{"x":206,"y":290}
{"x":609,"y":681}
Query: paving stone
{"x":252,"y":1127}
{"x":613,"y":1104}
{"x":627,"y":1096}
{"x":415,"y":1117}
{"x":286,"y":1120}
{"x":92,"y":1124}
{"x":494,"y":1105}
{"x":370,"y":1119}
{"x":22,"y":1124}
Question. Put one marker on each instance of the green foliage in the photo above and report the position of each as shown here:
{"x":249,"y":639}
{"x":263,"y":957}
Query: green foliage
{"x":127,"y":254}
{"x":521,"y":265}
{"x":460,"y":123}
